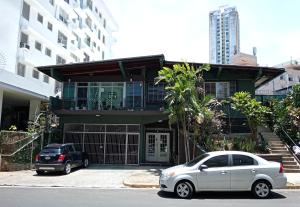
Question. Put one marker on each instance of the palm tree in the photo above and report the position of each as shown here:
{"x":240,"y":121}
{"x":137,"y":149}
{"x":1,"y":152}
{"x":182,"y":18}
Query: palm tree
{"x":182,"y":98}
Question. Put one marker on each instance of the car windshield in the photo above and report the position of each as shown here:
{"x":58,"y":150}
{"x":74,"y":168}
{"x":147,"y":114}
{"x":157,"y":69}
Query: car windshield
{"x":51,"y":150}
{"x":196,"y":160}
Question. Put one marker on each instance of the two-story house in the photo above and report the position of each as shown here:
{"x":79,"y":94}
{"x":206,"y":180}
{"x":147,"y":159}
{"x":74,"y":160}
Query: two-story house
{"x":113,"y":110}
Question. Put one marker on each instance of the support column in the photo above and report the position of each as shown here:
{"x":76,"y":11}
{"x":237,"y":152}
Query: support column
{"x":1,"y":101}
{"x":34,"y":109}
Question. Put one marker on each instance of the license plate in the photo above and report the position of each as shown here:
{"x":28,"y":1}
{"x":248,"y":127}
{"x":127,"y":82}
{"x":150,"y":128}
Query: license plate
{"x":46,"y":168}
{"x":47,"y":158}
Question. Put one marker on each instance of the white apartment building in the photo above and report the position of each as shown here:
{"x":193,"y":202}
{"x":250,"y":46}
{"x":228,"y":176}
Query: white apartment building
{"x":224,"y":35}
{"x":46,"y":32}
{"x":282,"y":84}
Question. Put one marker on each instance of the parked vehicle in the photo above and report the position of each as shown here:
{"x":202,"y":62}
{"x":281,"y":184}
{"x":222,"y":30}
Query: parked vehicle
{"x":60,"y":157}
{"x":224,"y":171}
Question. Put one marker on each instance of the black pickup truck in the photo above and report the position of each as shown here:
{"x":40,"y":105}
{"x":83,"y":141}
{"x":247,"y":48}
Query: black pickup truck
{"x":60,"y":157}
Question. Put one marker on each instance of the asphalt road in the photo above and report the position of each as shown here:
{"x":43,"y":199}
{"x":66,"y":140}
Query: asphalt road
{"x":52,"y":197}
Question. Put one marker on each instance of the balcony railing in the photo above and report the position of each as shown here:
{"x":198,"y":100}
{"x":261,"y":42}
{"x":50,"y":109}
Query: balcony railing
{"x":98,"y":105}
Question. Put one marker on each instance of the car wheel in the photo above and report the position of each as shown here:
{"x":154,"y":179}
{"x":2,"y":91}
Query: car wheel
{"x":40,"y":172}
{"x":184,"y":189}
{"x":261,"y":189}
{"x":67,"y":169}
{"x":85,"y":162}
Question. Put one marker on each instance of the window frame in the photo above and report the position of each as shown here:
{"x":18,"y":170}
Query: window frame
{"x":228,"y":161}
{"x":255,"y":163}
{"x":216,"y":94}
{"x":26,"y":14}
{"x":38,"y":43}
{"x":40,"y":18}
{"x":35,"y":72}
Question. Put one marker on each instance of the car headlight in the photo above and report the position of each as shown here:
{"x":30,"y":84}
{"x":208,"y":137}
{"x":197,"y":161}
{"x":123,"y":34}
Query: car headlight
{"x":167,"y":175}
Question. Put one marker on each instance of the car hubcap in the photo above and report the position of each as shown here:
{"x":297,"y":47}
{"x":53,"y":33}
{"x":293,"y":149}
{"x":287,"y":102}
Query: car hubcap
{"x":262,"y":189}
{"x":68,"y":168}
{"x":183,"y":190}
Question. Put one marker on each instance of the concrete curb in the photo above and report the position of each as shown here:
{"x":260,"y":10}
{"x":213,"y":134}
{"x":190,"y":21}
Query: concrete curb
{"x":140,"y":185}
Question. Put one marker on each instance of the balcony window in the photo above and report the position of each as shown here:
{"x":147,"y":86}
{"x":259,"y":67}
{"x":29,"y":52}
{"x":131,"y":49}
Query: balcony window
{"x":21,"y":69}
{"x":82,"y":95}
{"x":46,"y":78}
{"x":156,"y":92}
{"x":60,"y":60}
{"x":24,"y":41}
{"x":40,"y":18}
{"x":63,"y":16}
{"x":62,"y":39}
{"x":220,"y":90}
{"x":87,"y":40}
{"x":86,"y":57}
{"x":48,"y":52}
{"x":26,"y":10}
{"x":88,"y":22}
{"x":38,"y":46}
{"x":134,"y":94}
{"x":35,"y":74}
{"x":50,"y":26}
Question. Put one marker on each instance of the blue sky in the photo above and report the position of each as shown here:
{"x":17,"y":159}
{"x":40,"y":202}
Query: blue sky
{"x":179,"y":29}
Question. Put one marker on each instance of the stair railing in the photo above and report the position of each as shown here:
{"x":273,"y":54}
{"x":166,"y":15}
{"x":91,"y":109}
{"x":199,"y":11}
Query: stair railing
{"x":288,"y":145}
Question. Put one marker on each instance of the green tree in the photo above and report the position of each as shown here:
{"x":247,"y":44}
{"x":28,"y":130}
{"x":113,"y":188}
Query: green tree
{"x":253,"y":110}
{"x":182,"y":100}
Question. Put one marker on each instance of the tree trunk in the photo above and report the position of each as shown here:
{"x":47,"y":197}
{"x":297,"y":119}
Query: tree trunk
{"x":178,"y":143}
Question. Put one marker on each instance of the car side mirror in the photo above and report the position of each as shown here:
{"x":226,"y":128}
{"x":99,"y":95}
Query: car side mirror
{"x":203,"y":167}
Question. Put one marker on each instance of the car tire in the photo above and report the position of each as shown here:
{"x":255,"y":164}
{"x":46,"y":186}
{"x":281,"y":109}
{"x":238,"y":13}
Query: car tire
{"x":261,"y":189}
{"x":40,"y":172}
{"x":184,"y":190}
{"x":67,"y":168}
{"x":85,"y":163}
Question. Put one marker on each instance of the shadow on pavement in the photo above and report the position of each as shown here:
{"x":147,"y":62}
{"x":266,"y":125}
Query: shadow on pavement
{"x":52,"y":174}
{"x":220,"y":195}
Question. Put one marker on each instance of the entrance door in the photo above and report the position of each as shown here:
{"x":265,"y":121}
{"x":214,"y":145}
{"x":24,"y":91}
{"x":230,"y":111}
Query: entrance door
{"x":157,"y":147}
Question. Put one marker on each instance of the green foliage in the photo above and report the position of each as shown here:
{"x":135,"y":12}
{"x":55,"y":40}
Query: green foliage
{"x":12,"y":128}
{"x":243,"y":144}
{"x":254,"y":112}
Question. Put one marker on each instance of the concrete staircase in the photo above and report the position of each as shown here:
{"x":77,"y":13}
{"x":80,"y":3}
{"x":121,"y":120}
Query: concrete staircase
{"x":278,"y":147}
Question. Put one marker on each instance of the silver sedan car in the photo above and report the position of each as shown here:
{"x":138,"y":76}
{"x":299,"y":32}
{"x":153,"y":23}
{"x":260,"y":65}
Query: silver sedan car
{"x":224,"y":171}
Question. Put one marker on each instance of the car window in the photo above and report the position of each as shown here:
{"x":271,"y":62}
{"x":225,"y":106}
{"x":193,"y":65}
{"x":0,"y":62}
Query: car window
{"x":196,"y":160}
{"x":217,"y":161}
{"x":239,"y":160}
{"x":70,"y":148}
{"x":51,"y":150}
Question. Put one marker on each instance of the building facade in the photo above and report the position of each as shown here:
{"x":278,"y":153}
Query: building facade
{"x":113,"y":110}
{"x":224,"y":35}
{"x":46,"y":32}
{"x":282,"y":84}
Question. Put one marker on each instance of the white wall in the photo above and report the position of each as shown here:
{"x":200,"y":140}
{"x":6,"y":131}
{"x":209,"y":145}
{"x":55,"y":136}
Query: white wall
{"x":10,"y":11}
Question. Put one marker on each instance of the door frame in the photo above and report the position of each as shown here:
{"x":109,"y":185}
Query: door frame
{"x":157,"y":146}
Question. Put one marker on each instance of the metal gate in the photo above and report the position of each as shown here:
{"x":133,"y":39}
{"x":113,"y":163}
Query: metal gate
{"x":105,"y":144}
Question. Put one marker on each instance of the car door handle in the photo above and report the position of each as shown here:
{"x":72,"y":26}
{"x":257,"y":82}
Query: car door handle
{"x":223,"y":172}
{"x":253,"y":171}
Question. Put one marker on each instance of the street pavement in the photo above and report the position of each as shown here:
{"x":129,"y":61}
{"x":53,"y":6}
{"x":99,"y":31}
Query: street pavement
{"x":53,"y":197}
{"x":101,"y":177}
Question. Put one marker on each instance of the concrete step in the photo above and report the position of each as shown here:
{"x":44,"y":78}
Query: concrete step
{"x":289,"y":163}
{"x":284,"y":152}
{"x":278,"y":148}
{"x":292,"y":170}
{"x":287,"y":158}
{"x":291,"y":167}
{"x":276,"y":145}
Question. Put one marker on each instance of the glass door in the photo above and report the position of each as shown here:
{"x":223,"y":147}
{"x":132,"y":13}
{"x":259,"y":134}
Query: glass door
{"x":157,"y":147}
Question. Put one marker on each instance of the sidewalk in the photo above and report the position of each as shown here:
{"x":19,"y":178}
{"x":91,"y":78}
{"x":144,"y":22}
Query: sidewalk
{"x":101,"y":177}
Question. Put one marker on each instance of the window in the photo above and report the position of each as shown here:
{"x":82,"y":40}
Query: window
{"x":87,"y":40}
{"x":24,"y":41}
{"x":104,"y":23}
{"x":76,"y":59}
{"x":35,"y":74}
{"x":60,"y":60}
{"x":46,"y":78}
{"x":103,"y":55}
{"x":291,"y":78}
{"x":239,"y":160}
{"x":156,"y":92}
{"x":26,"y":10}
{"x":218,"y":161}
{"x":89,"y":3}
{"x":103,"y":39}
{"x":62,"y":39}
{"x":48,"y":52}
{"x":219,"y":90}
{"x":67,"y":1}
{"x":98,"y":48}
{"x":21,"y":69}
{"x":88,"y":22}
{"x":100,"y":15}
{"x":63,"y":16}
{"x":40,"y":18}
{"x":50,"y":26}
{"x":51,"y":2}
{"x":96,"y":10}
{"x":99,"y":34}
{"x":38,"y":46}
{"x":86,"y":58}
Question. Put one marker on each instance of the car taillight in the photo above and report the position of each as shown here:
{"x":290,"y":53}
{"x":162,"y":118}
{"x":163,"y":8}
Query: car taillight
{"x":37,"y":157}
{"x":61,"y":157}
{"x":281,"y":168}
